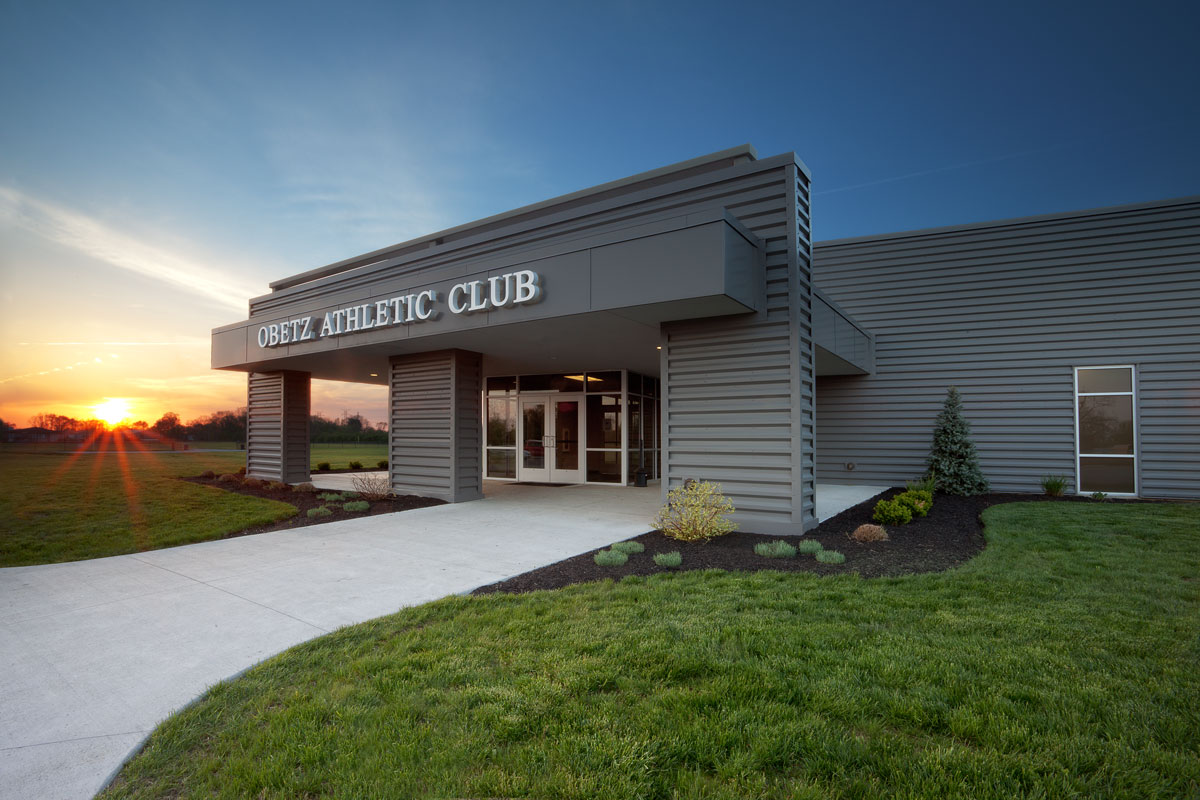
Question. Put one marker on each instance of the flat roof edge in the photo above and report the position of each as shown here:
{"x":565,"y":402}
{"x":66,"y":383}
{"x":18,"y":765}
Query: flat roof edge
{"x":743,"y":150}
{"x":1000,"y":223}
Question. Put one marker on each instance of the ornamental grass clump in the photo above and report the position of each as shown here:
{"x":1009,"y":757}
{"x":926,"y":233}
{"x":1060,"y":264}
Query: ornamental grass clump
{"x":319,"y":511}
{"x":208,"y":475}
{"x":355,"y":465}
{"x":953,"y":459}
{"x":831,"y":557}
{"x":254,"y":483}
{"x":670,"y":560}
{"x":869,"y":533}
{"x":324,"y":466}
{"x":1053,"y":485}
{"x":331,"y":497}
{"x":304,"y":488}
{"x":356,"y":505}
{"x":892,"y":512}
{"x":610,"y":558}
{"x":695,"y":512}
{"x":808,"y":546}
{"x":629,"y":548}
{"x":776,"y":549}
{"x":277,"y":486}
{"x":381,"y":463}
{"x":229,"y":477}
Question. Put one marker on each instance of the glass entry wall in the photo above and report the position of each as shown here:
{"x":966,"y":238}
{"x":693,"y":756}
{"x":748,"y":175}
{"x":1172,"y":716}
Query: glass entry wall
{"x":593,"y":427}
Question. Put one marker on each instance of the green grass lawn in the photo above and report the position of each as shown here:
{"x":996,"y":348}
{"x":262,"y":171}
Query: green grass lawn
{"x":101,"y":502}
{"x":1062,"y":662}
{"x":339,"y":456}
{"x":66,"y":508}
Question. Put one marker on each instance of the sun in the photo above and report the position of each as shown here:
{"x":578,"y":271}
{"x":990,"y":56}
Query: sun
{"x":113,"y":411}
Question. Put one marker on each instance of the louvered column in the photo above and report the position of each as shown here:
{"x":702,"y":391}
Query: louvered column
{"x":277,"y":413}
{"x":435,"y":428}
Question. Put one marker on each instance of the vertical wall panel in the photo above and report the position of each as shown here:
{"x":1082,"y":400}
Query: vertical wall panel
{"x":277,"y":419}
{"x":435,"y":432}
{"x":1005,"y":311}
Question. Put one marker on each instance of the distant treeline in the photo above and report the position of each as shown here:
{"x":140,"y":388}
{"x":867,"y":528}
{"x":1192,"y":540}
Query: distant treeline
{"x":222,"y":426}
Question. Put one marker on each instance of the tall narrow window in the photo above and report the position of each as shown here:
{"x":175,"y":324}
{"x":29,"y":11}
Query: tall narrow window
{"x":1105,"y":430}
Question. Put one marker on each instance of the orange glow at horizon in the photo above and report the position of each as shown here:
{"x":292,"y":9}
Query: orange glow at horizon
{"x":113,"y":411}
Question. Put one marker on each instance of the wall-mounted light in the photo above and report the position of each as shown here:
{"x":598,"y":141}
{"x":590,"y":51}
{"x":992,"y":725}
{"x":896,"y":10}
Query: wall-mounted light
{"x":374,"y":374}
{"x":659,"y":347}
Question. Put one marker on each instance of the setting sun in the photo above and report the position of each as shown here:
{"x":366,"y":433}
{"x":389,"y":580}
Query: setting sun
{"x":112,"y":411}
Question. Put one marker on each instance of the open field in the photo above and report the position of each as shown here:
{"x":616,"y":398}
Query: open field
{"x":340,"y":455}
{"x":1063,"y":661}
{"x":66,"y":448}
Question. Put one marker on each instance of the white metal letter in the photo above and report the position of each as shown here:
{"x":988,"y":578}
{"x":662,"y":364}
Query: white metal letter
{"x":478,"y":301}
{"x":498,"y":300}
{"x":457,"y":306}
{"x":527,"y":289}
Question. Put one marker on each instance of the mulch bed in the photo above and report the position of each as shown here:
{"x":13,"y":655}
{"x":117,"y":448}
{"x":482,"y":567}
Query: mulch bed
{"x":950,"y":535}
{"x":303,"y":501}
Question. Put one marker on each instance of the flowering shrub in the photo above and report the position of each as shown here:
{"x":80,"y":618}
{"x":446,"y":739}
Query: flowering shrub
{"x":695,"y":511}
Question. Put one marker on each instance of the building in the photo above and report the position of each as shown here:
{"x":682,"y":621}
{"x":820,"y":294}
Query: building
{"x":680,"y":323}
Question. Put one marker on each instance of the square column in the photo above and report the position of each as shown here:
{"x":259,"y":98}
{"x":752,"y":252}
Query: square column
{"x":277,"y":417}
{"x":435,"y":429}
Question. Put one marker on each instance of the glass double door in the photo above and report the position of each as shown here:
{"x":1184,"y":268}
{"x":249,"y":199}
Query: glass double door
{"x":550,"y":438}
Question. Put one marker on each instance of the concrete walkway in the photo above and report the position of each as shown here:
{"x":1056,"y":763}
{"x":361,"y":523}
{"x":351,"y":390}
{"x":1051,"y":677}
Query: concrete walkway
{"x":94,"y":654}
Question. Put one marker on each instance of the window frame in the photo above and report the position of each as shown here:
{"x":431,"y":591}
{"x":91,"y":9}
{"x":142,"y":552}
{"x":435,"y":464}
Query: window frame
{"x":1132,"y":394}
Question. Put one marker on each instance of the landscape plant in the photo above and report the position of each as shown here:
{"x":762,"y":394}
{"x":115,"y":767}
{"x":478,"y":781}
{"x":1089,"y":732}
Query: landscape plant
{"x":324,"y":466}
{"x":952,"y":459}
{"x":355,"y":465}
{"x":629,"y":547}
{"x":372,"y":486}
{"x":1099,"y":496}
{"x":695,"y":511}
{"x":230,"y":477}
{"x":869,"y":533}
{"x":809,"y":546}
{"x":670,"y":560}
{"x":610,"y":558}
{"x":319,"y":511}
{"x":1053,"y":485}
{"x":776,"y":549}
{"x":356,"y":505}
{"x":917,"y":502}
{"x":831,"y":557}
{"x":892,"y":512}
{"x":331,"y":497}
{"x":926,"y":483}
{"x":304,"y":488}
{"x":382,"y":463}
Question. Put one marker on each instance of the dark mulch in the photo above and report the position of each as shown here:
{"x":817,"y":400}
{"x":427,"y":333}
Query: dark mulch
{"x":303,"y":501}
{"x":950,"y":535}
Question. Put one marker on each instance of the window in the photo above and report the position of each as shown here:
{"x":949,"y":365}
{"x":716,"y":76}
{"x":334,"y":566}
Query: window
{"x":1105,"y":430}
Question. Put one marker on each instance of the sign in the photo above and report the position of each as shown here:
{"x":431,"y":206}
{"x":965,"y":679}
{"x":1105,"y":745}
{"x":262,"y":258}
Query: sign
{"x":471,"y":297}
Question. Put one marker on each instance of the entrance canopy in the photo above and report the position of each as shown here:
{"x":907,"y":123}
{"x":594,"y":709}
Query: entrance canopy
{"x":595,"y":301}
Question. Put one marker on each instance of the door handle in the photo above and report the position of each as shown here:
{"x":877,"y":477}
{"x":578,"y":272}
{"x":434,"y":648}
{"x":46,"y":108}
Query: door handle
{"x":548,"y":441}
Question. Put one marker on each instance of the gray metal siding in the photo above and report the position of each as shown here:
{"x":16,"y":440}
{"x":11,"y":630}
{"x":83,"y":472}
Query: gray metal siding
{"x":277,"y":419}
{"x":435,"y":428}
{"x":738,"y":392}
{"x":1005,"y":312}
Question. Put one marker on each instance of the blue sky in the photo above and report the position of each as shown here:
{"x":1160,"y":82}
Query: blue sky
{"x":161,"y":162}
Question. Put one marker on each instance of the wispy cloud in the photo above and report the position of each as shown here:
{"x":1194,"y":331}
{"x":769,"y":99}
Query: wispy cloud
{"x":86,"y":235}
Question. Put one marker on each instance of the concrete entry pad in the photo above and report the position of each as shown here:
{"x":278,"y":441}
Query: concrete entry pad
{"x":834,"y":498}
{"x":93,"y":654}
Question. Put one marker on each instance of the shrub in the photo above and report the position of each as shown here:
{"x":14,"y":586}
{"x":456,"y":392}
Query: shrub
{"x":372,"y":486}
{"x":350,"y":495}
{"x":831,"y":557}
{"x":892,"y":512}
{"x":319,"y":511}
{"x":869,"y":533}
{"x":629,"y":548}
{"x":229,"y":478}
{"x":671,"y":560}
{"x":926,"y":484}
{"x":331,"y":497}
{"x":381,"y":463}
{"x":610,"y":558}
{"x":208,"y":474}
{"x":1053,"y":485}
{"x":776,"y":549}
{"x":916,"y":502}
{"x":356,"y":505}
{"x":695,"y":511}
{"x":953,"y":459}
{"x":324,"y":466}
{"x":1099,"y":496}
{"x":254,"y":483}
{"x":304,"y":488}
{"x":356,"y":465}
{"x":277,"y":486}
{"x":808,"y":546}
{"x":241,"y":471}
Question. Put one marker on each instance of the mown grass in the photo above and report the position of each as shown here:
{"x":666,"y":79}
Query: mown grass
{"x":1061,"y":662}
{"x":65,"y":508}
{"x":339,"y":456}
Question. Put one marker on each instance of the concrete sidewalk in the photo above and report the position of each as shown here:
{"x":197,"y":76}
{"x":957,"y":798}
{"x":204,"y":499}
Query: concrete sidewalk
{"x":94,"y":654}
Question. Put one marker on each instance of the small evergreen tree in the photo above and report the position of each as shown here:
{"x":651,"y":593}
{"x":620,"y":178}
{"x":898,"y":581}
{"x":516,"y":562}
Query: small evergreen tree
{"x":953,"y":462}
